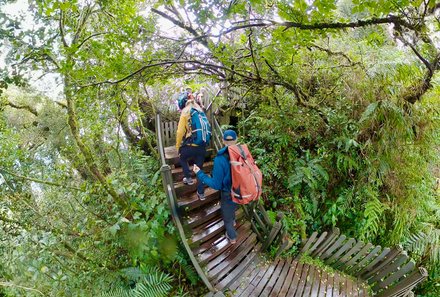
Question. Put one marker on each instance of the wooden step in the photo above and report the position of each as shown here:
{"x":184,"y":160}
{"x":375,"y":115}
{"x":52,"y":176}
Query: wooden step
{"x":222,"y":245}
{"x":219,"y":266}
{"x":214,"y":241}
{"x":185,"y":190}
{"x":192,"y":201}
{"x":238,"y":270}
{"x":203,"y":234}
{"x":202,"y":215}
{"x":177,"y":172}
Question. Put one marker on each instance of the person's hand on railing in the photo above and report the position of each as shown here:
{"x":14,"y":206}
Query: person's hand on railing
{"x":196,"y":168}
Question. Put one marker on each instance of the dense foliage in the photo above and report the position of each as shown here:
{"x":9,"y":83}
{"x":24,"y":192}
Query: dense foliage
{"x":339,"y":101}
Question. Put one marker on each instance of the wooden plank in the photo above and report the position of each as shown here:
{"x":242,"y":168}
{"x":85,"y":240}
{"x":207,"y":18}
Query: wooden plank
{"x":341,"y":263}
{"x":206,"y":245}
{"x":316,"y":280}
{"x":391,"y":267}
{"x":318,"y":242}
{"x":362,"y":290}
{"x":295,"y":279}
{"x":224,"y":264}
{"x":365,"y":260}
{"x":331,"y":237}
{"x":336,"y":285}
{"x":258,"y":220}
{"x":374,"y":261}
{"x":329,"y":286}
{"x":208,"y":233}
{"x":395,"y":276}
{"x":282,"y":278}
{"x":323,"y":284}
{"x":343,"y":286}
{"x":338,"y":243}
{"x":270,"y":284}
{"x":263,"y":213}
{"x":188,"y":203}
{"x":244,"y":285}
{"x":240,"y":267}
{"x":338,"y":254}
{"x":215,"y":294}
{"x":358,"y":256}
{"x":309,"y":242}
{"x":296,"y":282}
{"x":288,"y":281}
{"x":165,"y":133}
{"x":211,"y":230}
{"x":238,"y":218}
{"x":254,"y":282}
{"x":221,"y":246}
{"x":247,"y":276}
{"x":378,"y":263}
{"x":349,"y":288}
{"x":202,"y":215}
{"x":406,"y":284}
{"x":309,"y":282}
{"x":276,"y":228}
{"x":260,"y":282}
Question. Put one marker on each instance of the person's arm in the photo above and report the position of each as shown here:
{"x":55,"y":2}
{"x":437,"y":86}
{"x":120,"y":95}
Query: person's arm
{"x":181,"y":129}
{"x":218,"y":173}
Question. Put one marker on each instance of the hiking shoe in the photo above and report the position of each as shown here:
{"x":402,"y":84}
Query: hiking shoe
{"x":201,"y":196}
{"x":188,"y":181}
{"x":231,"y":241}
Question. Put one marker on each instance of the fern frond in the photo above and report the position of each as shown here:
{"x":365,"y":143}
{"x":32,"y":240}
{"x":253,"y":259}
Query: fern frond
{"x":119,"y":292}
{"x":132,"y":273}
{"x":373,"y":216}
{"x":425,"y":244}
{"x":155,"y":284}
{"x":190,"y":272}
{"x":401,"y":221}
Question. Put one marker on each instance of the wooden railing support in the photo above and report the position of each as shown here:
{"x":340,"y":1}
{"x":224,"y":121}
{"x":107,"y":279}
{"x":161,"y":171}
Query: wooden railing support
{"x":389,"y":271}
{"x":407,"y":284}
{"x":167,"y":180}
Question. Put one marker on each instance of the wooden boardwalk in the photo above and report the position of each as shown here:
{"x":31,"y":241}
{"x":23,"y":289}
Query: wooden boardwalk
{"x":242,"y":270}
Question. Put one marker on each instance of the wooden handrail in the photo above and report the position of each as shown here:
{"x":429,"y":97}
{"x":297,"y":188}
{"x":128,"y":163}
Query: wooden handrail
{"x":389,"y":271}
{"x":167,"y":180}
{"x":160,"y":142}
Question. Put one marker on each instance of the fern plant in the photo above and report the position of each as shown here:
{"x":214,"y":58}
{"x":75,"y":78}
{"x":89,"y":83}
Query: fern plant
{"x":373,"y":215}
{"x":425,"y":244}
{"x":149,"y":282}
{"x":189,"y":270}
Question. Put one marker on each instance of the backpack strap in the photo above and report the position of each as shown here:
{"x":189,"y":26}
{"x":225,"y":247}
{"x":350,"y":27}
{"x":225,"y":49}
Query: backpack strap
{"x":242,"y":153}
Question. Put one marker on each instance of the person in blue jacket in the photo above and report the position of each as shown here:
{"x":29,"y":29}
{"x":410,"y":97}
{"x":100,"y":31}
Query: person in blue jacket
{"x":221,"y":180}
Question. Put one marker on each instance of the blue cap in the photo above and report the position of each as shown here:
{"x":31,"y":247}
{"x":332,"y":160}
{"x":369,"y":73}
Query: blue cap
{"x":229,"y":135}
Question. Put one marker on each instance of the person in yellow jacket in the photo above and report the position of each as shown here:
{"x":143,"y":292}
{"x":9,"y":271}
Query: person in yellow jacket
{"x":188,"y":150}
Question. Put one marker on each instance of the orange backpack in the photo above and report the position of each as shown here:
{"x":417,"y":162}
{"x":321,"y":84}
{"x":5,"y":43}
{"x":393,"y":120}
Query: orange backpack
{"x":246,"y":176}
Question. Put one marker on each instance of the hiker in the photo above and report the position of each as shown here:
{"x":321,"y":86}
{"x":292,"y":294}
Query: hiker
{"x":199,"y":99}
{"x":221,"y":180}
{"x":193,"y":135}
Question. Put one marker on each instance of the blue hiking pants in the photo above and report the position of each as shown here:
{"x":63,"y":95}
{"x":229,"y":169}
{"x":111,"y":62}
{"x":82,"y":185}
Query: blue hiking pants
{"x":196,"y":153}
{"x":228,"y":208}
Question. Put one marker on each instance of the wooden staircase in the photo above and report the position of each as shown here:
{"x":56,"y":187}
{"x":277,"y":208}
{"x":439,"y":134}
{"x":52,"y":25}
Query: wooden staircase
{"x":242,"y":269}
